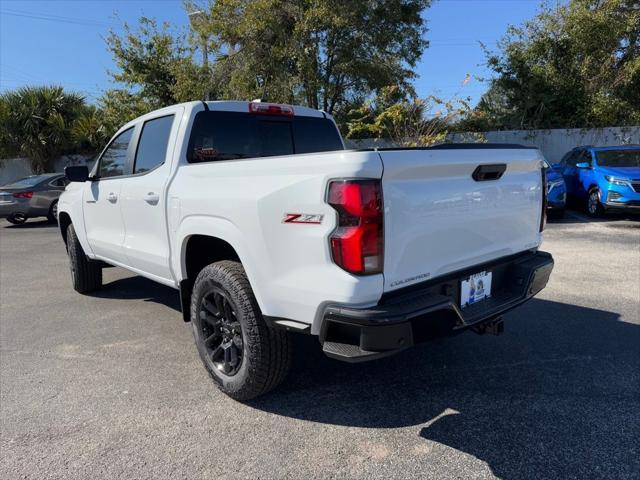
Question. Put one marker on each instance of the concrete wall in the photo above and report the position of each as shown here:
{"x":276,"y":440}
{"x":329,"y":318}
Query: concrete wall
{"x":553,"y":143}
{"x":14,"y":168}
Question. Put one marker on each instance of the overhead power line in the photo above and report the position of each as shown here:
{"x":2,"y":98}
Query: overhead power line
{"x":53,"y":18}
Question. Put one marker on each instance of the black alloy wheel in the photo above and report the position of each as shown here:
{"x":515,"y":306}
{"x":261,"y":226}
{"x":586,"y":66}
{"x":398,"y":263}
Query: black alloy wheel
{"x":220,"y":332}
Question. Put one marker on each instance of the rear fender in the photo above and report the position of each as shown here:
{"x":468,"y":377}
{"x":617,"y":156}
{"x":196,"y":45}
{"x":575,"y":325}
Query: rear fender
{"x":223,"y":229}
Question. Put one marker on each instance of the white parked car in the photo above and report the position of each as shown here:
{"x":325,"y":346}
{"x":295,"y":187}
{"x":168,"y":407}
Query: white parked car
{"x":267,"y":225}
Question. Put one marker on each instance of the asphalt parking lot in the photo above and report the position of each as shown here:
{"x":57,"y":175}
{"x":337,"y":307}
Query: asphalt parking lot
{"x":111,"y":386}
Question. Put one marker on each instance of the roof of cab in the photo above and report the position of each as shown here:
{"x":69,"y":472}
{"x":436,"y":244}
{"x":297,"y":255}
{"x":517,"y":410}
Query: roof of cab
{"x":243,"y":107}
{"x":221,"y":106}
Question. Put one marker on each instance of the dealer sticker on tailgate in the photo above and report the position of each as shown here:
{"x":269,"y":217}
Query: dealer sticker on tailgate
{"x":476,"y":288}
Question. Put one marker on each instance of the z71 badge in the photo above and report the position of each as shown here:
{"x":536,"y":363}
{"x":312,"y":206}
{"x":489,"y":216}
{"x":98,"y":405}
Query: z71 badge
{"x":313,"y":218}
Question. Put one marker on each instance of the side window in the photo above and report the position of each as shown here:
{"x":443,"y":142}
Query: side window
{"x":152,"y":147}
{"x":114,"y":159}
{"x":574,"y":158}
{"x":59,"y":182}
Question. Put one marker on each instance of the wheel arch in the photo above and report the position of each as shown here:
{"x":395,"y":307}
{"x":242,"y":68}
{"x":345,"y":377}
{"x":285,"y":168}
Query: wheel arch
{"x":203,"y":241}
{"x":202,"y":250}
{"x":64,"y":220}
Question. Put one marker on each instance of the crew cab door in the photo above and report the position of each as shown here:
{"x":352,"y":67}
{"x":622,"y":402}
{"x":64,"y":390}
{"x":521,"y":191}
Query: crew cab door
{"x":102,"y":218}
{"x":143,"y":205}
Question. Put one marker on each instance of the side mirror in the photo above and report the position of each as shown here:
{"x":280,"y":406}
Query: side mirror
{"x":77,"y":173}
{"x":583,"y":165}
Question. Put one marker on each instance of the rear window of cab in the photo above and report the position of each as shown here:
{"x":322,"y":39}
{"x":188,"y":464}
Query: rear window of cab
{"x":219,"y":136}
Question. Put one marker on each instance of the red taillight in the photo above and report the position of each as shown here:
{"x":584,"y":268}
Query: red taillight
{"x":270,"y":109}
{"x":357,"y":243}
{"x":23,"y":194}
{"x":543,"y":217}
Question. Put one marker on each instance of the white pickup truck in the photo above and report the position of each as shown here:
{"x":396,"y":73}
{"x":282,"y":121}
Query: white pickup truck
{"x":267,"y":225}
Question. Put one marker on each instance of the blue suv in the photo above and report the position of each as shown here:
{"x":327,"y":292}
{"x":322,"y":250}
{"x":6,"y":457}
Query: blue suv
{"x":556,"y":192}
{"x":603,"y":178}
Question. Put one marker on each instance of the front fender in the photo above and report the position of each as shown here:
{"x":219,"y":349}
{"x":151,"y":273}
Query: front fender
{"x":70,"y":202}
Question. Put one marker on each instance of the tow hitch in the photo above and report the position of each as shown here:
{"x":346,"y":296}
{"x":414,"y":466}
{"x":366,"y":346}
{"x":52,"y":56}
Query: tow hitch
{"x":492,"y":327}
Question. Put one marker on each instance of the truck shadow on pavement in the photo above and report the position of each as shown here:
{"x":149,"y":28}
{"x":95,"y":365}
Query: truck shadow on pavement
{"x":140,"y":288}
{"x":557,"y":396}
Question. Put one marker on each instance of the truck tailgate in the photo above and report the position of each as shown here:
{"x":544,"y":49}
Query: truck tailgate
{"x":439,"y":219}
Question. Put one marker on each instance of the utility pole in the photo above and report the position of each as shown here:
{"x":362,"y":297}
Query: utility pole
{"x":200,"y":16}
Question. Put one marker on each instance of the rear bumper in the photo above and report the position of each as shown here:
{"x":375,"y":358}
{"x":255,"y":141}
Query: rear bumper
{"x":9,"y":209}
{"x":430,"y":310}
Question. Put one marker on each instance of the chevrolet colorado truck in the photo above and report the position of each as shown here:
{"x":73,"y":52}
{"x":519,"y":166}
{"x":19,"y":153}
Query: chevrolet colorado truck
{"x":267,"y":225}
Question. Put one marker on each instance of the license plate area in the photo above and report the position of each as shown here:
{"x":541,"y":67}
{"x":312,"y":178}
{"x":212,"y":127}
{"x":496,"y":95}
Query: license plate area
{"x":475,"y":288}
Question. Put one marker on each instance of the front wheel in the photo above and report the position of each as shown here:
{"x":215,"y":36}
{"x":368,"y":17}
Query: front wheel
{"x":243,"y":355}
{"x":594,"y":207}
{"x":86,"y":275}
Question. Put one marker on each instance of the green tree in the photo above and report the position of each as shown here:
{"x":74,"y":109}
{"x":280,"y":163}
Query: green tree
{"x":156,"y":64}
{"x":89,"y":131}
{"x":573,"y":65}
{"x":36,"y":122}
{"x":406,"y":120}
{"x":324,"y":54}
{"x":155,"y":68}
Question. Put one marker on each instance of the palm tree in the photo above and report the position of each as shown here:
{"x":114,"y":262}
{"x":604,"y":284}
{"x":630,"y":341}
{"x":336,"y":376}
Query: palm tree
{"x":35,"y":122}
{"x":89,"y":132}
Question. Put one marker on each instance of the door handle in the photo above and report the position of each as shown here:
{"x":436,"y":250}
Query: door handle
{"x":483,"y":173}
{"x":112,"y":197}
{"x":152,"y":198}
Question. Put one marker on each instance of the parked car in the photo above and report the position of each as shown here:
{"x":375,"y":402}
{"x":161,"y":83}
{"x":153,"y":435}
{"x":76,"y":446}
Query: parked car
{"x":603,"y":178}
{"x":556,"y":192}
{"x":34,"y":196}
{"x":267,"y":225}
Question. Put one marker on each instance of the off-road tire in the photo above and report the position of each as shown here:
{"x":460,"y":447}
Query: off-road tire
{"x":266,"y":352}
{"x":86,"y":275}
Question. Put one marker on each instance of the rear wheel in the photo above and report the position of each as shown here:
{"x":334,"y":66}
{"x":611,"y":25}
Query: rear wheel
{"x":52,"y":216}
{"x":594,"y":207}
{"x":17,"y":218}
{"x":243,"y":355}
{"x":86,"y":275}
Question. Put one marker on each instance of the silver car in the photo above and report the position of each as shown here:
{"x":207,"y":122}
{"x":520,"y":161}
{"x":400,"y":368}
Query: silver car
{"x":34,"y":196}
